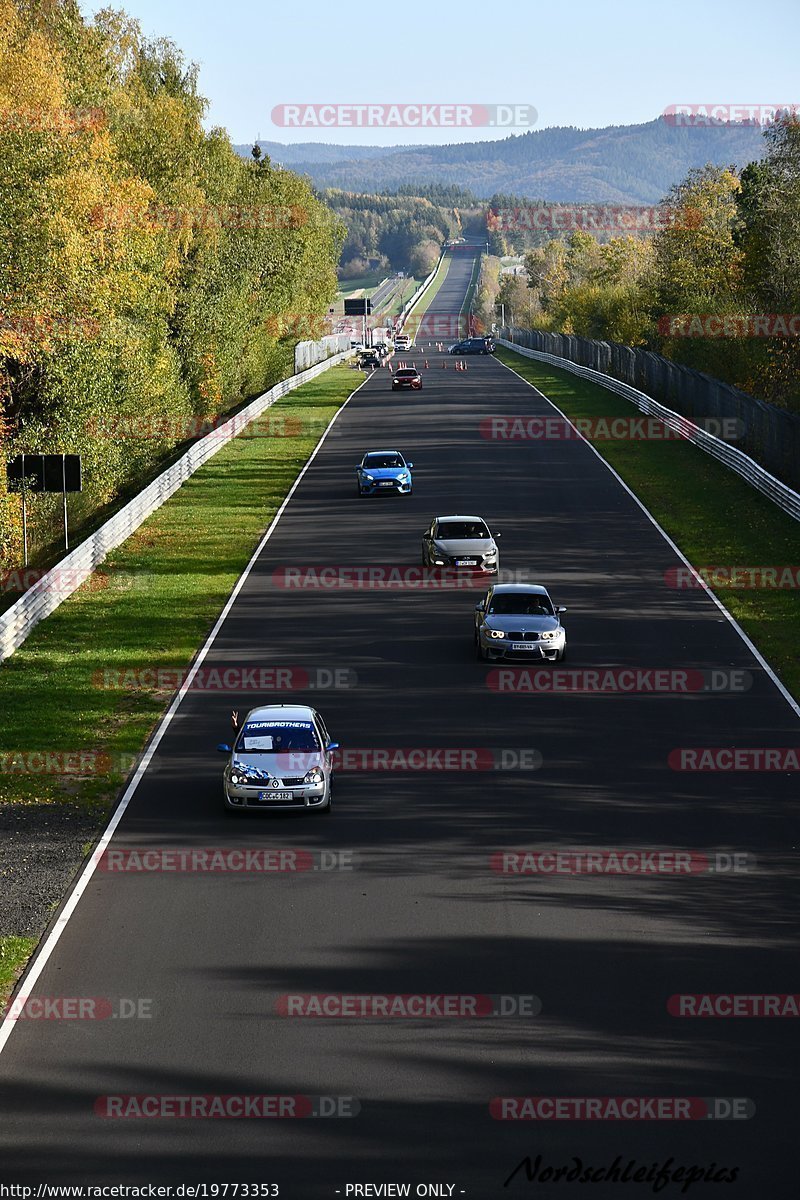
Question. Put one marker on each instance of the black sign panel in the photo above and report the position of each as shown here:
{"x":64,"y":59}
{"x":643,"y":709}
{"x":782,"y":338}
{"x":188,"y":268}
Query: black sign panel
{"x":46,"y":472}
{"x":357,"y":308}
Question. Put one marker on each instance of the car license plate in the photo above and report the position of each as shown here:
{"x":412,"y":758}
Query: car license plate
{"x":386,"y":483}
{"x":275,"y":795}
{"x":465,"y":562}
{"x":524,"y":645}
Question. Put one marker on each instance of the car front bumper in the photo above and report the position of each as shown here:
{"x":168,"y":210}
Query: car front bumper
{"x":384,"y":485}
{"x":503,"y":649}
{"x":303,"y":796}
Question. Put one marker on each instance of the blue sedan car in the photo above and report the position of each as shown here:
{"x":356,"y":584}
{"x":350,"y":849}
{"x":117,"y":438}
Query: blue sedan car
{"x":384,"y":471}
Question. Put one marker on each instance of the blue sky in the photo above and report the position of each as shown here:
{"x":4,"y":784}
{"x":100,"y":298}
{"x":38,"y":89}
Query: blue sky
{"x":588,"y":64}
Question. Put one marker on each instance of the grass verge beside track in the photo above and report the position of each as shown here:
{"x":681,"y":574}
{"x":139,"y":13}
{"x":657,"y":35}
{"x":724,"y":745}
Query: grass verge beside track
{"x":14,"y":953}
{"x":713,"y":516}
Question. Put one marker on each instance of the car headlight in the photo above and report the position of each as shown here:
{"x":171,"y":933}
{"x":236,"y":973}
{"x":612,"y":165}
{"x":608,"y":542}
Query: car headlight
{"x":370,"y":478}
{"x":491,"y":553}
{"x":236,"y":779}
{"x":495,"y":633}
{"x":314,"y":776}
{"x":551,"y":634}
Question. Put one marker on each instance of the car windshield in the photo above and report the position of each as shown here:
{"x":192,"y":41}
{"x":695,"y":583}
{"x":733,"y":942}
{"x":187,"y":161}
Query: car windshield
{"x":382,"y":460}
{"x":406,"y":371}
{"x":274,"y":737}
{"x":530,"y":604}
{"x":459,"y":530}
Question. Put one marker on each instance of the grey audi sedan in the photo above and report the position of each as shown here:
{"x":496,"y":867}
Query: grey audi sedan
{"x":518,"y":620}
{"x":460,"y":541}
{"x":282,"y":758}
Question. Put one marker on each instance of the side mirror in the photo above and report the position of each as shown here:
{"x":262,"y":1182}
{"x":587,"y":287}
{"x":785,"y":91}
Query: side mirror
{"x":331,"y":746}
{"x":497,"y":533}
{"x":409,"y":465}
{"x":480,"y":606}
{"x":561,"y":610}
{"x":223,"y":748}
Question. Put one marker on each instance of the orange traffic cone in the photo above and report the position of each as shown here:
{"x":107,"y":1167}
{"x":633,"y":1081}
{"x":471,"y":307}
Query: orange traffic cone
{"x":444,"y":362}
{"x":426,"y":362}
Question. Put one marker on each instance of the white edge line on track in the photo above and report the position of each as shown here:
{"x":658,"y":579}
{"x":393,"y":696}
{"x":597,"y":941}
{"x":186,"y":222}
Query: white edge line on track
{"x":788,"y":697}
{"x":39,"y":961}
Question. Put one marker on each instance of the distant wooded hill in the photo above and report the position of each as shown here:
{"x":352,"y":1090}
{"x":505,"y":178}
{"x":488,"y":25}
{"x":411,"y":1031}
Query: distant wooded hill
{"x":622,"y":164}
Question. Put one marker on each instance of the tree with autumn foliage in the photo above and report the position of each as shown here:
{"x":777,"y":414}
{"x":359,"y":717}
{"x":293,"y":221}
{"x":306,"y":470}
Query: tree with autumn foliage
{"x":149,"y":272}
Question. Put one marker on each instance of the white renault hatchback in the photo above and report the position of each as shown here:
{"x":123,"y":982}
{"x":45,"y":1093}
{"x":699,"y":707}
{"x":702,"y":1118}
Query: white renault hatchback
{"x":282,"y":758}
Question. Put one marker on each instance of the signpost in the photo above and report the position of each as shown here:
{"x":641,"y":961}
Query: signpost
{"x":358,"y":308}
{"x":45,"y":473}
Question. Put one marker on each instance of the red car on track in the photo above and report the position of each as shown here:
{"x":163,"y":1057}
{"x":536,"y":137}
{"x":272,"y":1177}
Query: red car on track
{"x":406,"y":377}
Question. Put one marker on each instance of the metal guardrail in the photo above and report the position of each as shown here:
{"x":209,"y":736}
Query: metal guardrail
{"x":63,"y":579}
{"x":308,"y":354}
{"x":406,"y":309}
{"x":736,"y":460}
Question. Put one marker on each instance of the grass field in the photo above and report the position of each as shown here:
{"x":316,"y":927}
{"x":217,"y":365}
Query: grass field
{"x":711,"y":514}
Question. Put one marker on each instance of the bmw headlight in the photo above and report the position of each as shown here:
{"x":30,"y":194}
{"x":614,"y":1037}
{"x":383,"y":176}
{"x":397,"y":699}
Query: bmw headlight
{"x":496,"y":633}
{"x":314,"y":776}
{"x":552,"y":634}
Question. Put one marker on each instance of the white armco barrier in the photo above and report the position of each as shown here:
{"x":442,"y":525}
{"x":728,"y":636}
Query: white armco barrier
{"x":736,"y":460}
{"x":62,"y":580}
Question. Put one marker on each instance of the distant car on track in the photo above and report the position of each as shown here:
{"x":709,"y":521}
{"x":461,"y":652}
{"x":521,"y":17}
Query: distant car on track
{"x":473,"y":345}
{"x":460,"y":541}
{"x":402,"y":341}
{"x":282,"y":758}
{"x":384,"y":471}
{"x":369,"y":359}
{"x":406,"y":377}
{"x":518,"y":620}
